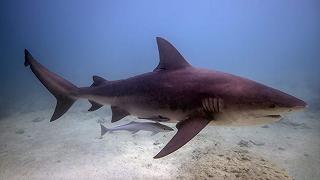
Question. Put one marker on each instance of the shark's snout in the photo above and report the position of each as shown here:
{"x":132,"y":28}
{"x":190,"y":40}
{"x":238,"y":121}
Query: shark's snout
{"x":280,"y":102}
{"x":284,"y":100}
{"x":298,"y":104}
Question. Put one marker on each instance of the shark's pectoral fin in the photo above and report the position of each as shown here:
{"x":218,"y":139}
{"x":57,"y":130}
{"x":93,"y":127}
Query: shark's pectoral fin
{"x":94,"y":106}
{"x":187,"y":129}
{"x":118,"y":113}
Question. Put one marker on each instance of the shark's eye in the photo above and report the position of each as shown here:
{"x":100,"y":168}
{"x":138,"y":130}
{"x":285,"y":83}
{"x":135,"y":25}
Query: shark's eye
{"x":272,"y":106}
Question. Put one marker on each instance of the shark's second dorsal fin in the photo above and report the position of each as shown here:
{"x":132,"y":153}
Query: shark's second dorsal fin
{"x":170,"y":58}
{"x":97,"y":81}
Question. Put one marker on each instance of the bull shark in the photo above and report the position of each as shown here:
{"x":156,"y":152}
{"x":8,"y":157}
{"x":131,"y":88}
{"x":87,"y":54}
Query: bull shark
{"x":174,"y":91}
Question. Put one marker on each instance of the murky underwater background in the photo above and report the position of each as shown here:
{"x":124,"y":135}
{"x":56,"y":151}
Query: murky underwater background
{"x":272,"y":42}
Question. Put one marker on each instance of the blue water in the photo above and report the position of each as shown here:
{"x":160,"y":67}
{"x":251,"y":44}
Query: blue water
{"x":273,"y":42}
{"x":116,"y":39}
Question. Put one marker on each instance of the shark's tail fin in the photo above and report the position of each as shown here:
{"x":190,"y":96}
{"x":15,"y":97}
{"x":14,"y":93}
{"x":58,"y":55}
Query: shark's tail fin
{"x":64,"y":91}
{"x":104,"y":130}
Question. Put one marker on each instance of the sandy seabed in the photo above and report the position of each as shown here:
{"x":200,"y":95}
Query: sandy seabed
{"x":71,"y":148}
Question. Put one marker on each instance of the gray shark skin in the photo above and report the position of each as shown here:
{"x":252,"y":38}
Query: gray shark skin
{"x":134,"y":127}
{"x":192,"y":97}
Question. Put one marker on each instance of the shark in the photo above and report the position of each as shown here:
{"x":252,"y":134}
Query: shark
{"x":174,"y":92}
{"x":134,"y":127}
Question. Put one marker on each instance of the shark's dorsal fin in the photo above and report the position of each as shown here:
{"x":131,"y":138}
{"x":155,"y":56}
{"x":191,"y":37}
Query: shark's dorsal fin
{"x":170,"y":58}
{"x":97,"y":80}
{"x":118,"y":113}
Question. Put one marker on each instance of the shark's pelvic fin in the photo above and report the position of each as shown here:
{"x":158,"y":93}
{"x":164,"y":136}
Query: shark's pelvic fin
{"x":118,"y":113}
{"x":187,"y":129}
{"x":170,"y":58}
{"x":94,"y":106}
{"x":63,"y":90}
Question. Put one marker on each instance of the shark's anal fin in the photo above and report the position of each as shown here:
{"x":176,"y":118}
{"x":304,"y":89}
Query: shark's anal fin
{"x":187,"y":129}
{"x":170,"y":58}
{"x":118,"y":113}
{"x":94,"y":106}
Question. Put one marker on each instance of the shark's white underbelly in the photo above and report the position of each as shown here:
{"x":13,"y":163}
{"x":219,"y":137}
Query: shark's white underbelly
{"x":143,"y":107}
{"x":241,"y":118}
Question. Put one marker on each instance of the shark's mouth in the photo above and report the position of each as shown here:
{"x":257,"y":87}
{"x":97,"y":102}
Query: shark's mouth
{"x":273,"y":116}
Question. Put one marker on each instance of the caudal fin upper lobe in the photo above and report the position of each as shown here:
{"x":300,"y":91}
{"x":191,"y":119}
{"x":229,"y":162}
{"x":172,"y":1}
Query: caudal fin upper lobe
{"x":64,"y":91}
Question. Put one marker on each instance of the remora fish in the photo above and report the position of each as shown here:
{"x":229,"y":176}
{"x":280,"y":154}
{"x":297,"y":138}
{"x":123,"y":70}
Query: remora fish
{"x":178,"y":92}
{"x":134,"y":127}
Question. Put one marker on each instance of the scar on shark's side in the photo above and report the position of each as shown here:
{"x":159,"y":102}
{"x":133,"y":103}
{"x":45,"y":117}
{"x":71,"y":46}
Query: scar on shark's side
{"x":174,"y":91}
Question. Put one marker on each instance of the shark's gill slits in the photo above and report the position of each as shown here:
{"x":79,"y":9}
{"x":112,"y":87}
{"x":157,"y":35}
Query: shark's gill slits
{"x":208,"y":104}
{"x":212,"y":104}
{"x":216,"y":103}
{"x":204,"y":105}
{"x":220,"y":105}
